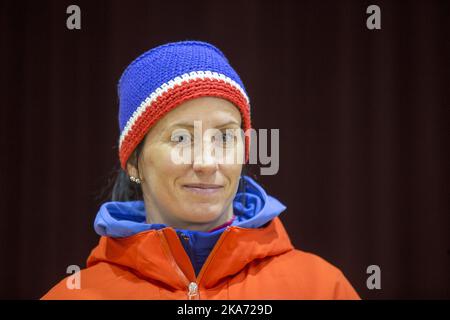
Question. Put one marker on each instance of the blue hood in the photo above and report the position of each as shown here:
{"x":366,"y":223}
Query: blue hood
{"x":123,"y":219}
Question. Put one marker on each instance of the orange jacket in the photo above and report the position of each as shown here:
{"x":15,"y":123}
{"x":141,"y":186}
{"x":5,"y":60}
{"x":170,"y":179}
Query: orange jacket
{"x":245,"y":263}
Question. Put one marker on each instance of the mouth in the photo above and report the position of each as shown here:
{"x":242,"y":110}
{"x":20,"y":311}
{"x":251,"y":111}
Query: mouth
{"x":203,"y":189}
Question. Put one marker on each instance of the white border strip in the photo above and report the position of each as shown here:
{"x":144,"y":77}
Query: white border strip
{"x":170,"y":85}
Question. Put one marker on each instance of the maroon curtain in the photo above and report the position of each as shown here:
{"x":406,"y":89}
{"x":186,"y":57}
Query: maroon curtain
{"x":363,"y":118}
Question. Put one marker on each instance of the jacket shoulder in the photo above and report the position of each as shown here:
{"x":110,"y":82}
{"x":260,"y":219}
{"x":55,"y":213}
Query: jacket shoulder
{"x":312,"y":275}
{"x":99,"y":281}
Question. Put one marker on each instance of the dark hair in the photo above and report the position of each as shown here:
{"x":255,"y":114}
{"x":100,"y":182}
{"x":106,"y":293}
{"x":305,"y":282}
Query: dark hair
{"x":125,"y":190}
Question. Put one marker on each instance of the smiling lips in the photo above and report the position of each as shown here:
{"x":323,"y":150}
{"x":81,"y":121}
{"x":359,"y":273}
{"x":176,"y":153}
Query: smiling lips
{"x":203,"y":189}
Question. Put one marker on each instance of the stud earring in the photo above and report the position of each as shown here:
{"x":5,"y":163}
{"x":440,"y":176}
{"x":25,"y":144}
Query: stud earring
{"x":135,"y":180}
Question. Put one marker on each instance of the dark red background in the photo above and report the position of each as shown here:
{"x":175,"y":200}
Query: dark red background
{"x":363,"y":118}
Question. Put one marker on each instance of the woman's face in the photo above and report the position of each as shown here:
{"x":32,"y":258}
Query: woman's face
{"x":199,"y":192}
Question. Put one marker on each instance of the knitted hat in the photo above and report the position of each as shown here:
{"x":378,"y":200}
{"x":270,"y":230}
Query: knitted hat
{"x":166,"y":76}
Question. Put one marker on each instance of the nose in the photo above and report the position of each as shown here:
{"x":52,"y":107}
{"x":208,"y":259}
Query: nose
{"x":204,"y":159}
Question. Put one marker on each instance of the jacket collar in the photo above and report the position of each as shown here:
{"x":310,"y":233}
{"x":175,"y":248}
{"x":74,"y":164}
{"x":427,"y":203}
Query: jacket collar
{"x":158,"y":255}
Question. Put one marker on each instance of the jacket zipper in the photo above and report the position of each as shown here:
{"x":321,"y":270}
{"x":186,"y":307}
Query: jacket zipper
{"x":193,"y":291}
{"x":184,"y":279}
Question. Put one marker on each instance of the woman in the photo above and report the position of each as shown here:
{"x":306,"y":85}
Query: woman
{"x":195,"y":229}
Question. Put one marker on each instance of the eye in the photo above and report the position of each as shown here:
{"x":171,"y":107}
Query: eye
{"x":226,"y":139}
{"x":181,"y":137}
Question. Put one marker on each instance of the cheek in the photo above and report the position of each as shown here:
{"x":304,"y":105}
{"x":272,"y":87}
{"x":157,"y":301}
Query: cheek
{"x":160,"y":167}
{"x":233,"y":173}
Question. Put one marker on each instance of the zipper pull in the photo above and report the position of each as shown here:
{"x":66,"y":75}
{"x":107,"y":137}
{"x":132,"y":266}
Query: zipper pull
{"x":193,"y":291}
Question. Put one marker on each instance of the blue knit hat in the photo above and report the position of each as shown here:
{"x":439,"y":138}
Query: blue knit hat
{"x":166,"y":76}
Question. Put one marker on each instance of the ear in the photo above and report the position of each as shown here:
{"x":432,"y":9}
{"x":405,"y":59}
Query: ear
{"x":131,"y":168}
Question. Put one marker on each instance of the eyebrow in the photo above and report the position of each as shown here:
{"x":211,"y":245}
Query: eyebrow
{"x":191,"y":125}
